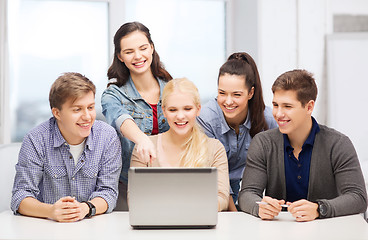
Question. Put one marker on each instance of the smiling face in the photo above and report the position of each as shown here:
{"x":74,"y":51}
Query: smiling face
{"x":75,"y":118}
{"x":293,"y":118}
{"x":181,"y":112}
{"x":233,"y":97}
{"x":136,"y":53}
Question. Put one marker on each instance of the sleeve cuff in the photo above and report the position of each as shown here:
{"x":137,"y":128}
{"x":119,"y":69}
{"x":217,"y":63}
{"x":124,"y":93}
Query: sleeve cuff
{"x":110,"y":202}
{"x":17,"y":198}
{"x":120,"y":121}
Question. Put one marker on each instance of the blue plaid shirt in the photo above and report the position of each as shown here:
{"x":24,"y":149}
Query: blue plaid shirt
{"x":46,"y":169}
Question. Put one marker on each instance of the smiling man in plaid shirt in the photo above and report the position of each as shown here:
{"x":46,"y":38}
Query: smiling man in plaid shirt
{"x":68,"y":167}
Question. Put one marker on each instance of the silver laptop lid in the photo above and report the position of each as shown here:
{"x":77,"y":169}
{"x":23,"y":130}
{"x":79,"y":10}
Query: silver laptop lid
{"x":172,"y":197}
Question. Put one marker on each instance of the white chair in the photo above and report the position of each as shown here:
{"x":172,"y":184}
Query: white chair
{"x":8,"y":159}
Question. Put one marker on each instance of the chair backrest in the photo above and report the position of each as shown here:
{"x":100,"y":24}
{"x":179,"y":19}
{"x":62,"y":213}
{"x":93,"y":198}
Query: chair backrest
{"x":8,"y":159}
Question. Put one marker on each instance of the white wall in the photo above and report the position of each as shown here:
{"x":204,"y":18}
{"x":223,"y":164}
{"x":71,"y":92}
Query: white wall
{"x":311,"y":51}
{"x":347,"y":82}
{"x":277,"y":41}
{"x":348,"y":6}
{"x":243,"y":23}
{"x":4,"y":85}
{"x":283,"y":35}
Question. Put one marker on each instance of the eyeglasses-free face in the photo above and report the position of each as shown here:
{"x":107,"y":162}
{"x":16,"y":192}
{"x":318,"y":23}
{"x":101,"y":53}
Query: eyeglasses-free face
{"x":136,"y":53}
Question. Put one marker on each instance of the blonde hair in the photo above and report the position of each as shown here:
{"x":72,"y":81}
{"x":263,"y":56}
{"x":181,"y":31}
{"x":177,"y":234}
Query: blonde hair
{"x":195,"y":152}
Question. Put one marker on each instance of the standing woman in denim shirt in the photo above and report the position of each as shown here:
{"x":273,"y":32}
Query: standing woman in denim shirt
{"x":237,"y":115}
{"x":132,"y":101}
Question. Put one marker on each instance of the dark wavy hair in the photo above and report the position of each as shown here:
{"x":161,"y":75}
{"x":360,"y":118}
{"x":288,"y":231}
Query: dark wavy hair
{"x":242,"y":64}
{"x":118,"y":69}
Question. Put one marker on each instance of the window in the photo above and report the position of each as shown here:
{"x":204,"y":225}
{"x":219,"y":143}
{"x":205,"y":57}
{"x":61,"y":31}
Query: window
{"x":46,"y":39}
{"x":189,"y":36}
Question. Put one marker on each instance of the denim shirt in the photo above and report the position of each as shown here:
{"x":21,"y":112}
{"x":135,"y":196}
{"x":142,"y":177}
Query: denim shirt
{"x":125,"y":102}
{"x":214,"y":124}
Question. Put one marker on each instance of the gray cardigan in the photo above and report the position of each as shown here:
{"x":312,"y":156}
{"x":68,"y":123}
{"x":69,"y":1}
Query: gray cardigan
{"x":335,"y":174}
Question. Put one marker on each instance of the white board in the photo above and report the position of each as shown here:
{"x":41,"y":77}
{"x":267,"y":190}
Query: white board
{"x":347,"y":89}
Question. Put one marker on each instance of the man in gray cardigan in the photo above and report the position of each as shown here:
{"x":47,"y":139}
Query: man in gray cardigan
{"x":312,"y":169}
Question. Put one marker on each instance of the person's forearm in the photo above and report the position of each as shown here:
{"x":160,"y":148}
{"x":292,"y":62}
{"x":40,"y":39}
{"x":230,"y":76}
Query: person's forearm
{"x":34,"y":208}
{"x":145,"y":148}
{"x":100,"y":204}
{"x":232,"y":207}
{"x":223,"y":203}
{"x":130,"y":130}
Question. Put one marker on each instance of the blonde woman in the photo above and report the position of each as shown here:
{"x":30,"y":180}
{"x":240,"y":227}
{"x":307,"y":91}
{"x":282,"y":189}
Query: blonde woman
{"x":184,"y":144}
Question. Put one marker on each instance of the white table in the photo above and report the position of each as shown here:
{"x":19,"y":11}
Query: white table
{"x":232,"y":226}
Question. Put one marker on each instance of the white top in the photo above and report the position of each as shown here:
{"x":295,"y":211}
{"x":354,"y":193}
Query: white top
{"x":77,"y":150}
{"x":230,"y":225}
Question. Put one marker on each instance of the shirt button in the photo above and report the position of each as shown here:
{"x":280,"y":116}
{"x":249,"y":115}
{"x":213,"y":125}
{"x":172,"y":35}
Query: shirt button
{"x":299,"y":165}
{"x":299,"y":177}
{"x":82,"y":160}
{"x":73,"y":178}
{"x":70,"y":157}
{"x":163,"y":121}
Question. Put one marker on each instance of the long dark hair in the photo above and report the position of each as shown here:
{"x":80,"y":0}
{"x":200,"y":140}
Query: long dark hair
{"x":118,"y":69}
{"x":242,"y":64}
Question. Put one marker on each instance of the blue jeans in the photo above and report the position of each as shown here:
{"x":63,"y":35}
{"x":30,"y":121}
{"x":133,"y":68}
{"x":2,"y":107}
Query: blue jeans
{"x":235,"y":186}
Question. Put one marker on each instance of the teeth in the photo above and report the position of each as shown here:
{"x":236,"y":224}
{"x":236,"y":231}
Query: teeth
{"x":181,"y":123}
{"x":139,"y":64}
{"x":229,"y":108}
{"x":84,"y":125}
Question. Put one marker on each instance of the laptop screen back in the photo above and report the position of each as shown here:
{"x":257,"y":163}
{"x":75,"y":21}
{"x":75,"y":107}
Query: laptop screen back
{"x":172,"y":197}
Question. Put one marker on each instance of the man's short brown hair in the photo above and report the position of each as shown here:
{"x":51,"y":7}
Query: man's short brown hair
{"x":300,"y":81}
{"x":69,"y":85}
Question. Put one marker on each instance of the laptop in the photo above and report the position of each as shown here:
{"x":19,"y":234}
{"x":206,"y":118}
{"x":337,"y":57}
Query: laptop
{"x":172,"y":197}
